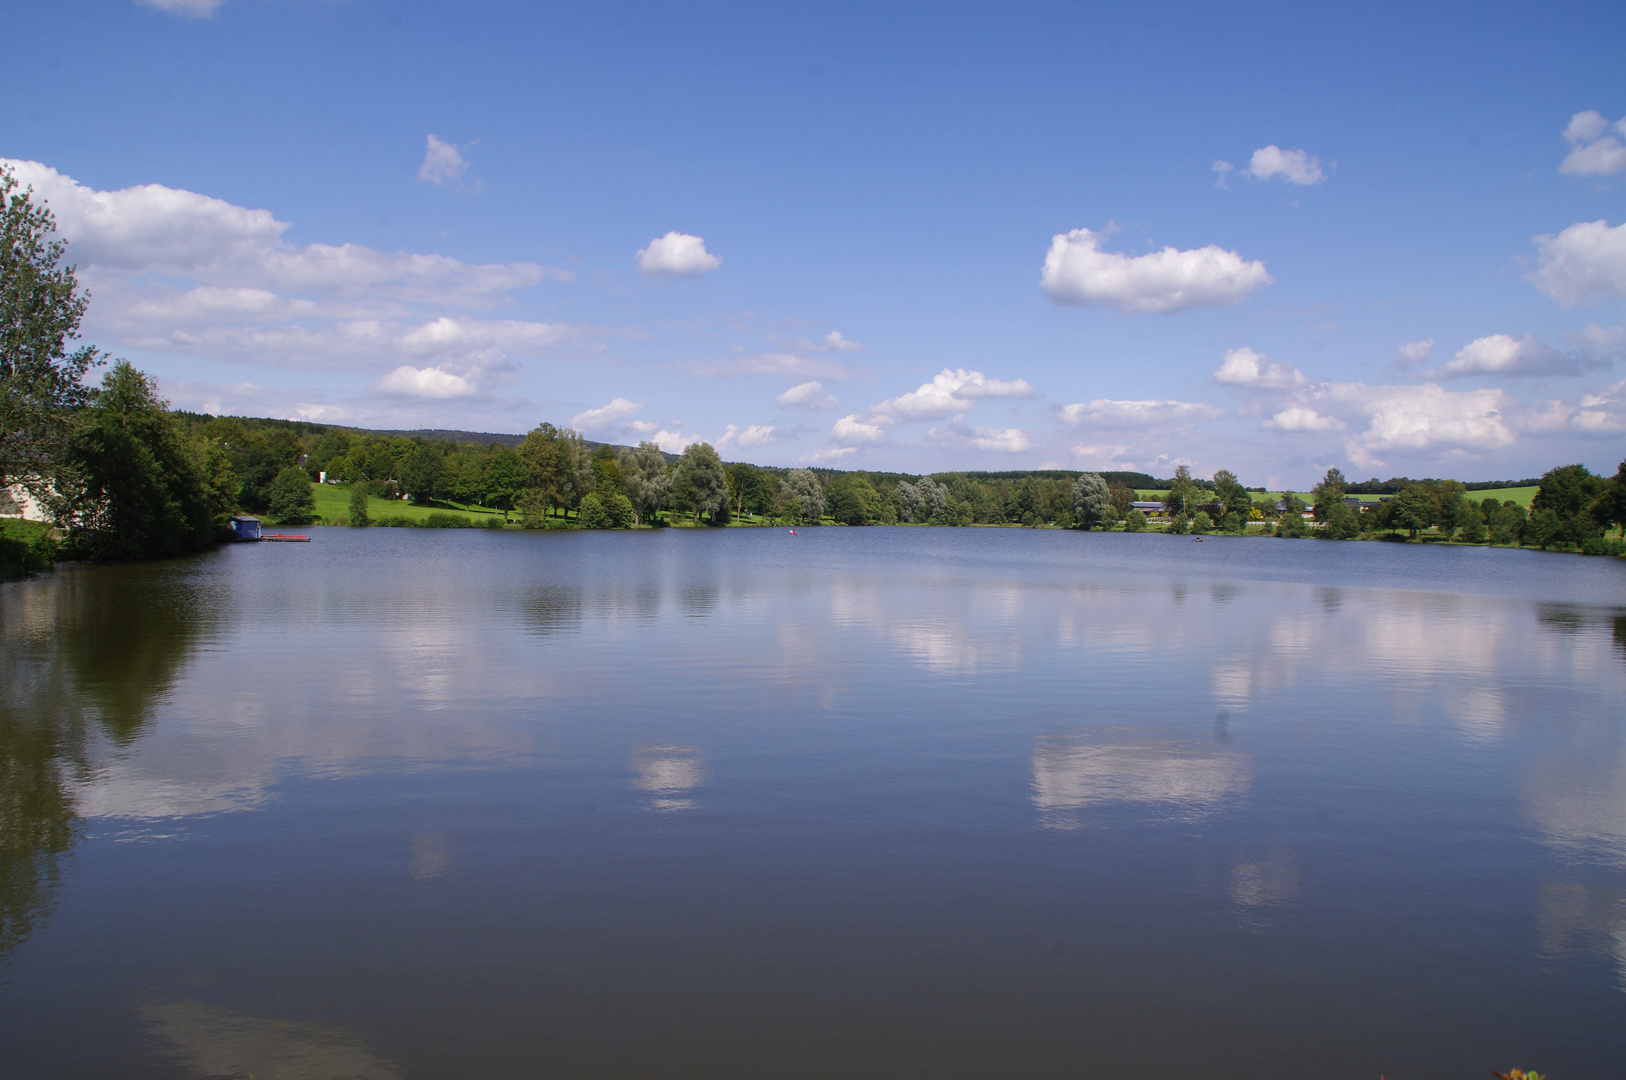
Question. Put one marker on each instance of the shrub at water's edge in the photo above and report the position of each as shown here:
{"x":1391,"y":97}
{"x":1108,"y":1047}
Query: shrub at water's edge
{"x":26,"y":547}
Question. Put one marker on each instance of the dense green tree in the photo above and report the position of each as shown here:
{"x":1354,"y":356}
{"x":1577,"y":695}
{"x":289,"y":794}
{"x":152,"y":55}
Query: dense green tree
{"x":1181,"y":491}
{"x":1340,"y":522}
{"x":1544,"y":529}
{"x":645,"y":480}
{"x":1179,"y":524}
{"x":1473,"y":529}
{"x":746,"y":488}
{"x":1202,"y":522}
{"x":1134,"y":521}
{"x":699,"y":486}
{"x":258,"y":459}
{"x":1092,"y":502}
{"x":1416,"y":508}
{"x":1572,"y":493}
{"x":1611,"y":509}
{"x":1329,"y":491}
{"x":852,"y":500}
{"x":592,"y":513}
{"x":1507,"y":524}
{"x":421,"y":477}
{"x":1122,"y":497}
{"x":606,"y":472}
{"x":470,"y":486}
{"x":1230,"y":492}
{"x":505,"y":479}
{"x":40,"y":310}
{"x":804,"y":496}
{"x":133,"y":487}
{"x":292,"y":502}
{"x":922,"y":501}
{"x":358,"y":505}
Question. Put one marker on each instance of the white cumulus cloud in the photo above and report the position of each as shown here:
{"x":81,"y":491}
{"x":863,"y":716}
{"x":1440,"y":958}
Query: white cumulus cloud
{"x":753,"y":436}
{"x":853,"y":430}
{"x":808,"y":395}
{"x":1004,"y":441}
{"x":836,"y":343}
{"x":1501,"y":354}
{"x":175,"y":271}
{"x":951,"y":391}
{"x":1300,"y":418}
{"x":1585,"y":262}
{"x":443,"y":163}
{"x":606,"y":417}
{"x":1596,"y":148}
{"x":1294,"y":166}
{"x":1414,"y":353}
{"x":1244,"y":367}
{"x":429,"y":382}
{"x":1077,"y":271}
{"x":1108,"y":414}
{"x":677,"y":255}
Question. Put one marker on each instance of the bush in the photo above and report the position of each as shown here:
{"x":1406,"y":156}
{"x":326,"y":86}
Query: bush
{"x":1135,"y":522}
{"x":446,"y":521}
{"x":592,"y":513}
{"x":1202,"y":522}
{"x":619,"y":507}
{"x":1292,"y":526}
{"x":492,"y":521}
{"x":22,"y":554}
{"x":1232,"y":523}
{"x":1179,"y":526}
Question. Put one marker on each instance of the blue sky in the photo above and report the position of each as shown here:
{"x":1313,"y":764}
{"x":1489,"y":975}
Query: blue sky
{"x":912,"y":237}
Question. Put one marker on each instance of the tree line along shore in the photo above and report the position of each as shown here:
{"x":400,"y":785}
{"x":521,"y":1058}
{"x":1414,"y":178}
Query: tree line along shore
{"x":115,"y":474}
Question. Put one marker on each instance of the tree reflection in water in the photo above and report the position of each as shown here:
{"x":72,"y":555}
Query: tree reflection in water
{"x":86,"y":655}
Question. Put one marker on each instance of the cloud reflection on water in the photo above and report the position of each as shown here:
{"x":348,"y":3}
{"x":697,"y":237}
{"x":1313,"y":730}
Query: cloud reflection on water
{"x":669,"y":774}
{"x":1184,"y":777}
{"x":215,"y":1042}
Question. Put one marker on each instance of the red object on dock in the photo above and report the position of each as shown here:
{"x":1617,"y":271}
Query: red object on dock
{"x":284,"y":538}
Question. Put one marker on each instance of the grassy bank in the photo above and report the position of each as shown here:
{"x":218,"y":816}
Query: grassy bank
{"x":26,"y":547}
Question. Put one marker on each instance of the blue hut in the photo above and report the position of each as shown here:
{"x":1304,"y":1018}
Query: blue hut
{"x":245,"y":528}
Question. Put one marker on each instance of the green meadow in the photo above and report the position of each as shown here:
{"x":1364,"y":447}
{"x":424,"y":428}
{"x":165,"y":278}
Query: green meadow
{"x":333,"y":504}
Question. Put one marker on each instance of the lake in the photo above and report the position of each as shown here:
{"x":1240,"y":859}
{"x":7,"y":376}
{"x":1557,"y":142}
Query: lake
{"x":882,"y":802}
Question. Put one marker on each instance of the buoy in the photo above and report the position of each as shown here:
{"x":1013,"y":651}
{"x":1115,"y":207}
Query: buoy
{"x":793,"y":532}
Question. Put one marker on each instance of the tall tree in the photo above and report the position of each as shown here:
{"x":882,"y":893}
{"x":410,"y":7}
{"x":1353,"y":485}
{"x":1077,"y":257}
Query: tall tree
{"x":804,"y":494}
{"x":1092,"y":502}
{"x":138,"y":489}
{"x":422,"y":474}
{"x":41,"y":381}
{"x":646,"y":480}
{"x":1181,"y":489}
{"x":1229,"y":490}
{"x":291,"y":500}
{"x":1330,"y":490}
{"x":699,"y":485}
{"x":505,"y":479}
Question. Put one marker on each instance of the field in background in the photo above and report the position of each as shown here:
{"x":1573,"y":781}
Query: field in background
{"x":333,"y":501}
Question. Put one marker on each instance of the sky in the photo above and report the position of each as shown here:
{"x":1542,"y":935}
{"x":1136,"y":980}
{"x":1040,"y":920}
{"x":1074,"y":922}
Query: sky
{"x":1272,"y":238}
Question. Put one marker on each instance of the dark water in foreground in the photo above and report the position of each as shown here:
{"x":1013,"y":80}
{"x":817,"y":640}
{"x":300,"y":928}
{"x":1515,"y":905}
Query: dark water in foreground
{"x":859,"y":803}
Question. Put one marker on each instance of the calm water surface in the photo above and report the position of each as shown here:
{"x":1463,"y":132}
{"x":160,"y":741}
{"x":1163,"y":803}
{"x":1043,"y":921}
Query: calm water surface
{"x":856,"y":803}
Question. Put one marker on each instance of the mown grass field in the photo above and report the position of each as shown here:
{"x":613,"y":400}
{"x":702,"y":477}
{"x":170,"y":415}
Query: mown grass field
{"x":333,"y":501}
